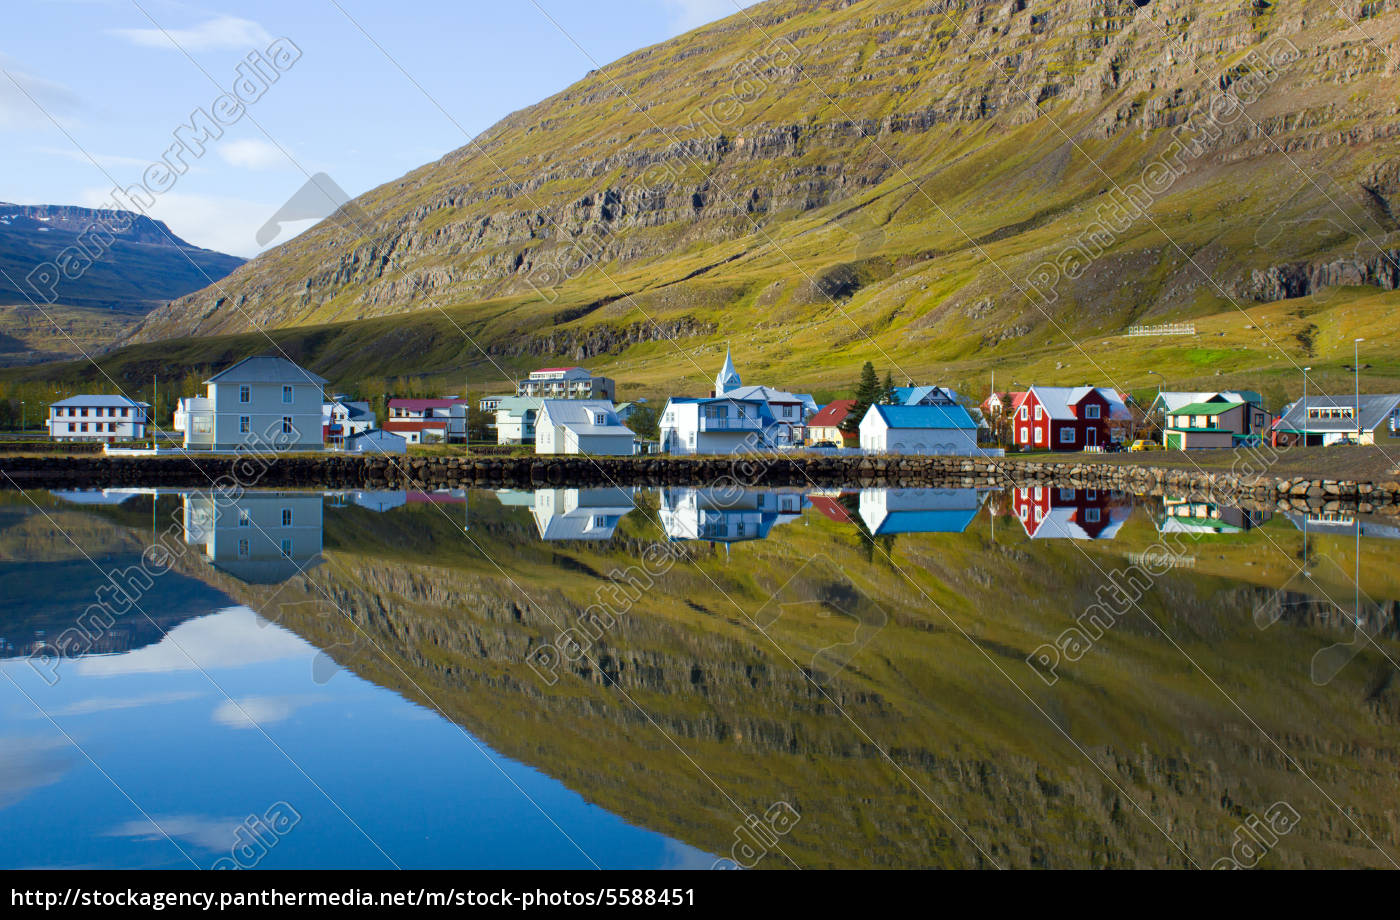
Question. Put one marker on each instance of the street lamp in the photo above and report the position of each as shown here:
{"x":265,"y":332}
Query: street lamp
{"x":1356,"y":368}
{"x":1305,"y":409}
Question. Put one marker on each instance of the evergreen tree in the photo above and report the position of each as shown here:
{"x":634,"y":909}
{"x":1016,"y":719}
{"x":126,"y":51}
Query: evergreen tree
{"x":887,"y":396}
{"x":868,"y":392}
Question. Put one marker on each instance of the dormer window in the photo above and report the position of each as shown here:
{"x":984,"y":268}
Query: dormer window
{"x":1091,"y":411}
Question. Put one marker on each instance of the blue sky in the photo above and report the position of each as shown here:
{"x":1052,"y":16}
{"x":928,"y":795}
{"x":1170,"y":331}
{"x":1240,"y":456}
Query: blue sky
{"x":102,"y":80}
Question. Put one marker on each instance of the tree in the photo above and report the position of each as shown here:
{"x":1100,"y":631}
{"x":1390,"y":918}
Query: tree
{"x":887,"y":394}
{"x":645,"y":422}
{"x":868,"y":393}
{"x":479,"y":424}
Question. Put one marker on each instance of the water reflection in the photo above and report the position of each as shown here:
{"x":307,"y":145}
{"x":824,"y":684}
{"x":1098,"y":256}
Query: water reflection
{"x":1070,"y":514}
{"x":862,"y":656}
{"x":258,"y":537}
{"x":727,"y":514}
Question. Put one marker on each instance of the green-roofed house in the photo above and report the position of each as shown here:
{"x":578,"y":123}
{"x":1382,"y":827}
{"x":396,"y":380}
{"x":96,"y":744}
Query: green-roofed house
{"x":1207,"y":424}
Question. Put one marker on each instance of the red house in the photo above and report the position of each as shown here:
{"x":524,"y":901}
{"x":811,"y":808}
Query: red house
{"x":1068,"y":418}
{"x":1069,"y":514}
{"x":420,"y":420}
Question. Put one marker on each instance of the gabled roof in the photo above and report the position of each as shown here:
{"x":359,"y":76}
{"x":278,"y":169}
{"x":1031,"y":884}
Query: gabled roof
{"x":1205,"y":408}
{"x":1172,"y":401}
{"x":574,"y":414}
{"x":266,"y":369}
{"x":90,"y":400}
{"x":924,"y":416}
{"x":1058,"y":400}
{"x":765,"y":393}
{"x":1375,"y":409}
{"x":912,"y":396}
{"x":519,"y":405}
{"x":832,"y":414}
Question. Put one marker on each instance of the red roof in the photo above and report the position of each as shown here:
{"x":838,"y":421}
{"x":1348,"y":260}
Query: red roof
{"x":832,"y":414}
{"x":418,"y":405}
{"x":831,"y":507}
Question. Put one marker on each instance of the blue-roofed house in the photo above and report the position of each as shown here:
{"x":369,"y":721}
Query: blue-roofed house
{"x":892,"y":511}
{"x":944,"y":429}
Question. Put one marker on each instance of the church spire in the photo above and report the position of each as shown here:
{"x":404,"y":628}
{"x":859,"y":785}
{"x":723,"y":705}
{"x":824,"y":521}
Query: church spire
{"x":728,"y":378}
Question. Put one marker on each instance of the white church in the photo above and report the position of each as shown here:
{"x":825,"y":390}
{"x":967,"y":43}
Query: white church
{"x":735,"y":418}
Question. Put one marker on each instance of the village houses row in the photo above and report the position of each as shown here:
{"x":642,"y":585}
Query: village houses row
{"x":270,"y":403}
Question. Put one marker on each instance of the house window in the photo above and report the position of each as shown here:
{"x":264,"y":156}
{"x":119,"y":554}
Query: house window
{"x":245,"y":394}
{"x":287,"y":547}
{"x":691,"y":439}
{"x":1091,"y":495}
{"x":1091,"y":515}
{"x":1066,"y":435}
{"x":85,"y":424}
{"x":244,"y":424}
{"x":243,"y":519}
{"x":1023,"y":437}
{"x":286,"y":424}
{"x":1039,"y":435}
{"x":1066,"y":495}
{"x":287,"y":395}
{"x":1024,"y":416}
{"x":1091,"y":411}
{"x":1039,"y":413}
{"x":202,"y":425}
{"x":242,"y":547}
{"x":286,"y":517}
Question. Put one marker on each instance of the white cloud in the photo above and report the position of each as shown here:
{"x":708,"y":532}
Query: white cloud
{"x":105,"y":160}
{"x":690,"y":14}
{"x":214,"y":222}
{"x":111,"y":704}
{"x":255,"y":711}
{"x":231,"y":639}
{"x":27,"y":101}
{"x":224,"y":33}
{"x":205,"y":832}
{"x":252,"y":153}
{"x":31,"y":763}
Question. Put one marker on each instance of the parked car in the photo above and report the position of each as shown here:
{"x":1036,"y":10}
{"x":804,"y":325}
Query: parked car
{"x":826,"y":444}
{"x":1144,"y":444}
{"x":1114,"y":447}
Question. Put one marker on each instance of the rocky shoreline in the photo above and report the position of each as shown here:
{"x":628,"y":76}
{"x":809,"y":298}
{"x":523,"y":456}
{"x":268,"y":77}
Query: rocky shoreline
{"x":355,"y":472}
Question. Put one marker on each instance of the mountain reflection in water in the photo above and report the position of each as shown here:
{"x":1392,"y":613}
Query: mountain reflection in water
{"x":917,"y":677}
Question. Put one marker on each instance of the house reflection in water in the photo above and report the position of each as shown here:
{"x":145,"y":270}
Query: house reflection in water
{"x":579,"y":514}
{"x":261,"y":538}
{"x":1184,"y":515}
{"x":1070,"y":514}
{"x":893,"y":511}
{"x":1340,"y":523}
{"x":726,"y":515}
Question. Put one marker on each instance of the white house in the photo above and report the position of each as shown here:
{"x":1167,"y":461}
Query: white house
{"x":260,"y":403}
{"x":98,"y":418}
{"x":566,"y":383}
{"x":341,"y":417}
{"x":938,"y":429}
{"x":579,"y":514}
{"x":376,"y":441}
{"x":735,"y":417}
{"x":260,"y":538}
{"x":515,"y":419}
{"x":581,"y":426}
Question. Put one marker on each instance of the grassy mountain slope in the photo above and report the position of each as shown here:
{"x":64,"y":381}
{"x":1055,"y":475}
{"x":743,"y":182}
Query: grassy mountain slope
{"x":822,"y":183}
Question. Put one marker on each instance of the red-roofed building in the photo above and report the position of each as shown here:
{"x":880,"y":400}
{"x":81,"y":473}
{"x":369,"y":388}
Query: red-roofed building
{"x":830,"y":506}
{"x":422,"y":420}
{"x":825,"y":426}
{"x":998,"y":403}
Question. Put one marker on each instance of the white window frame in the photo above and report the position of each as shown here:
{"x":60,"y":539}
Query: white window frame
{"x":1092,"y":411}
{"x":1067,"y":434}
{"x":286,"y":394}
{"x":245,"y":424}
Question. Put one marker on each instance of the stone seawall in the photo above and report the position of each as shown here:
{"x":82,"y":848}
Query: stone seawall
{"x":354,"y":472}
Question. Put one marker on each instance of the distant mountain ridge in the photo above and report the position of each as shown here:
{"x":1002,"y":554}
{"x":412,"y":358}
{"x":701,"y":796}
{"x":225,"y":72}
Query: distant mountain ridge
{"x":139,"y":265}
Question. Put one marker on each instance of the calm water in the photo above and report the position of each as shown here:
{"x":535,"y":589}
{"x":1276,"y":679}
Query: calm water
{"x":685,"y":678}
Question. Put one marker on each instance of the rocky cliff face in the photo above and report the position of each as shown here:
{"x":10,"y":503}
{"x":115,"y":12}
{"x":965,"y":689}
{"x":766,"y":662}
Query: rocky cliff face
{"x":1089,"y":160}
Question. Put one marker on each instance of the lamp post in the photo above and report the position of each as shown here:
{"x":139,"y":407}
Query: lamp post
{"x":23,"y":418}
{"x":1305,"y":409}
{"x":1356,"y":368}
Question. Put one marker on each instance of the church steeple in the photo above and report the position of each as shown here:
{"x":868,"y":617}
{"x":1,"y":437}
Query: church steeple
{"x":728,"y":378}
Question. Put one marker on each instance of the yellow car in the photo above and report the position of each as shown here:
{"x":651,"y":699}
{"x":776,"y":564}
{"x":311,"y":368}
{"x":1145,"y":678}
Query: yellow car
{"x":1145,"y":444}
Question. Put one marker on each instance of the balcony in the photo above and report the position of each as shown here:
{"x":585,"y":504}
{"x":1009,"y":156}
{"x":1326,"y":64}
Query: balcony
{"x":713,"y":423}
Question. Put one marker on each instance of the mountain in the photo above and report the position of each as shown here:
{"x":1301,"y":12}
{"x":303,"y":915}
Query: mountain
{"x":953,"y":176}
{"x":136,"y":262}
